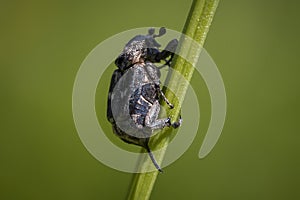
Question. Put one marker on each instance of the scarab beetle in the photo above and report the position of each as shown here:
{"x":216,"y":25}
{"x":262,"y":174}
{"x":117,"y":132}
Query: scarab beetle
{"x":134,"y":93}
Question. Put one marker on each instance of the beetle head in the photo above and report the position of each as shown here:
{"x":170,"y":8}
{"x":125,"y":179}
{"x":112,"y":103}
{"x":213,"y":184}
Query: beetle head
{"x":139,"y":49}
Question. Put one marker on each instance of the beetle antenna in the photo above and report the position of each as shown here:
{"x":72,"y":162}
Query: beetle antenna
{"x":151,"y":31}
{"x":162,"y":31}
{"x":153,"y":159}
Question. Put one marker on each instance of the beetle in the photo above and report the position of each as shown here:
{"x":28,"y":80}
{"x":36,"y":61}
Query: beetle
{"x":134,"y":93}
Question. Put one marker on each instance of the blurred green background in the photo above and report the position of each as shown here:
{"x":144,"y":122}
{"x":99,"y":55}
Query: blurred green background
{"x":255,"y":45}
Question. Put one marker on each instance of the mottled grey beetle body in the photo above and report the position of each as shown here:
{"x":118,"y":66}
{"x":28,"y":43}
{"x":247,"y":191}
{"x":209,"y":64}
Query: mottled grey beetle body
{"x":134,"y":93}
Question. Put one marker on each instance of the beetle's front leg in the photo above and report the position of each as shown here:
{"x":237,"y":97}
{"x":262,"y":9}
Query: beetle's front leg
{"x":168,"y":51}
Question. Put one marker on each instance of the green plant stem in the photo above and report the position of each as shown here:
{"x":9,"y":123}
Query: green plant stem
{"x":196,"y":27}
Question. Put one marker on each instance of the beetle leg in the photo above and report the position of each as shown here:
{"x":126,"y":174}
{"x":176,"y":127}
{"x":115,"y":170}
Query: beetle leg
{"x":177,"y":124}
{"x":151,"y":120}
{"x":168,"y":51}
{"x":164,"y":97}
{"x":166,"y":100}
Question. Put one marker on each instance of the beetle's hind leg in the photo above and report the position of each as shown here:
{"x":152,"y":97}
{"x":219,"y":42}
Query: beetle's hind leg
{"x":152,"y":122}
{"x":176,"y":124}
